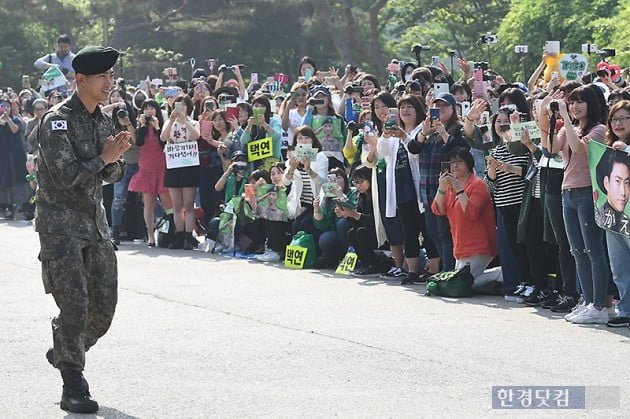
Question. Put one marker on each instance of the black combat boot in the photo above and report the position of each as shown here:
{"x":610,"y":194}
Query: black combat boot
{"x":180,"y":240}
{"x":116,"y":235}
{"x":190,"y":242}
{"x":76,"y":396}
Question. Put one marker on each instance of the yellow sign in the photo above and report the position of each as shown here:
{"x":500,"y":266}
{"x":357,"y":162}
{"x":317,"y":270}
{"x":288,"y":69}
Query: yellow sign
{"x":259,"y":149}
{"x":348,"y":264}
{"x":295,"y":257}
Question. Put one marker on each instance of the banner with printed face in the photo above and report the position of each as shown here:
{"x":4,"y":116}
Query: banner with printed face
{"x":271,"y":202}
{"x":610,"y":176}
{"x":181,"y":155}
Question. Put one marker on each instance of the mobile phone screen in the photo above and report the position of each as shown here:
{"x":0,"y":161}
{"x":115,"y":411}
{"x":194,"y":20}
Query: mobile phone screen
{"x":434,"y":114}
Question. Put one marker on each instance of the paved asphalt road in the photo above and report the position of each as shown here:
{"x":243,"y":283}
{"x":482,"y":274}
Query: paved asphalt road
{"x":197,"y":335}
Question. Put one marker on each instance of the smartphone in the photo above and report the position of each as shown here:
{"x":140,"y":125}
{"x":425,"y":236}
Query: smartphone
{"x":478,"y":74}
{"x":254,"y":77}
{"x":308,"y":74}
{"x":445,"y":167}
{"x":210,"y":106}
{"x":317,"y":101}
{"x":232,"y":112}
{"x":205,"y":127}
{"x":171,"y":92}
{"x":26,"y":81}
{"x":440,"y":88}
{"x":343,"y":204}
{"x":256,"y":113}
{"x":177,"y":107}
{"x":554,"y":74}
{"x":434,"y":115}
{"x":392,"y":119}
{"x":249,"y":190}
{"x":199,"y":87}
{"x":465,"y":108}
{"x":552,"y":47}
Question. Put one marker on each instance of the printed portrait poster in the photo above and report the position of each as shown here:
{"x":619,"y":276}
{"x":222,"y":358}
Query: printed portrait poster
{"x":610,"y":175}
{"x":271,"y":203}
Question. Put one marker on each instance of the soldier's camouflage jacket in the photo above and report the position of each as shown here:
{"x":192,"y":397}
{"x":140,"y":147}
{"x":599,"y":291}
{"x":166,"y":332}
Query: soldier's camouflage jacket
{"x":70,"y":171}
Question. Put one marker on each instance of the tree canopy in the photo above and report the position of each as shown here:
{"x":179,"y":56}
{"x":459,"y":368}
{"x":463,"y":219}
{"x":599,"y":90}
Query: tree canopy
{"x":272,"y":35}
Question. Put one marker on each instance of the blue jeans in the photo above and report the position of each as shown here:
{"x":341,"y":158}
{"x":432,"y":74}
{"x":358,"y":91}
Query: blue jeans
{"x":585,"y":239}
{"x":120,"y":194}
{"x":330,"y":247}
{"x":619,"y":252}
{"x":439,"y":231}
{"x":342,"y":226}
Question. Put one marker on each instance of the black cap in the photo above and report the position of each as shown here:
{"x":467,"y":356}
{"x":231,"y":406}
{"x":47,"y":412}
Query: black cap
{"x":94,"y":60}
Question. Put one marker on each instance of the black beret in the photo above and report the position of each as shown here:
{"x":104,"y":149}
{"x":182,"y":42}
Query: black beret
{"x":94,"y":60}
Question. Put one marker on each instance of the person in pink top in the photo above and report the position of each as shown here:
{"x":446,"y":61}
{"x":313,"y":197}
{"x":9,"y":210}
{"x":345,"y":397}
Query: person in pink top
{"x":464,"y":199}
{"x":150,"y":178}
{"x":583,"y":114}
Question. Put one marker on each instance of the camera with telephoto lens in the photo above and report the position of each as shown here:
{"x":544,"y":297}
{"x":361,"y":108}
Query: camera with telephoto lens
{"x":482,"y":65}
{"x":355,"y":126}
{"x":240,"y":167}
{"x":417,"y":48}
{"x":489,"y":38}
{"x":353,"y":88}
{"x":122,"y":113}
{"x":606,"y":52}
{"x":312,"y":101}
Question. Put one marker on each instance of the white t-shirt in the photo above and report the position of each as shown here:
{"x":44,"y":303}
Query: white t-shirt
{"x":179,"y":132}
{"x":295,"y":120}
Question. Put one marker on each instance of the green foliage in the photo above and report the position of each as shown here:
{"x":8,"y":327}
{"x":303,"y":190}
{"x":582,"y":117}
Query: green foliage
{"x":532,"y":22}
{"x":271,"y":36}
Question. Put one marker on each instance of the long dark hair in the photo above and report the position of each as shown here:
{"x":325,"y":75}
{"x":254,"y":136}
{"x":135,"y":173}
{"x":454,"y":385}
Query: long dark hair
{"x":516,"y":97}
{"x":307,"y":131}
{"x":142,"y":131}
{"x":421,"y":112}
{"x":389,"y":101}
{"x":596,"y":108}
{"x":131,"y":111}
{"x":362,"y":173}
{"x":257,"y":131}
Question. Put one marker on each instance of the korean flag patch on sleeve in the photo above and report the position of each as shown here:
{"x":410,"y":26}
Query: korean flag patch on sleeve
{"x":60,"y":125}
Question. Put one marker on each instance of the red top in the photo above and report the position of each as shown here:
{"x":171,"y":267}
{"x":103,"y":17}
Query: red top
{"x":474,"y":232}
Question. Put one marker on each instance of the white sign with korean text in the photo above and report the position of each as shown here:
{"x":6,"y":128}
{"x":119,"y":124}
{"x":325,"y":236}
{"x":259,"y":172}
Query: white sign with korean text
{"x":181,"y":155}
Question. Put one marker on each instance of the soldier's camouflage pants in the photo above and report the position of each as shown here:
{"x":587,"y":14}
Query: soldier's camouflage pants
{"x":82,"y":276}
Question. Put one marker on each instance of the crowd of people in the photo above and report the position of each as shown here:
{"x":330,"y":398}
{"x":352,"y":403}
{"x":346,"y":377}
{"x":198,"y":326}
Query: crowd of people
{"x":416,"y":171}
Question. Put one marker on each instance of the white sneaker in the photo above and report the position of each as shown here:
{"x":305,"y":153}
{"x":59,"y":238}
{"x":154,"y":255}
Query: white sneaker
{"x":591,"y":315}
{"x":268,"y":256}
{"x":576,"y":310}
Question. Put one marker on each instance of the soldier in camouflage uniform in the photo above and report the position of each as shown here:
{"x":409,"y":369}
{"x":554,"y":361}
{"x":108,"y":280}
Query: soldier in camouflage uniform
{"x":77,"y":151}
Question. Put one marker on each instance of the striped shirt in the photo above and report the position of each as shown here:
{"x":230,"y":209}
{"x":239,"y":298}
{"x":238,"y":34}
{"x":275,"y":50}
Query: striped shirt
{"x":508,"y":188}
{"x":307,"y":191}
{"x":536,"y":180}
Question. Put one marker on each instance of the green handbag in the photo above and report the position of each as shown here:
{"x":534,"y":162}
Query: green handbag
{"x":303,"y":239}
{"x":456,"y":284}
